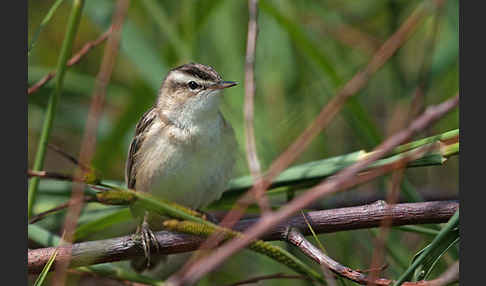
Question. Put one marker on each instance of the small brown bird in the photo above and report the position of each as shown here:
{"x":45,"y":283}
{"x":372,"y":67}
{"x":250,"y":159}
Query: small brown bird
{"x":183,"y":150}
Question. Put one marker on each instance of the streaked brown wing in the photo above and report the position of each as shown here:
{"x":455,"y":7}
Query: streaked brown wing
{"x":143,"y":125}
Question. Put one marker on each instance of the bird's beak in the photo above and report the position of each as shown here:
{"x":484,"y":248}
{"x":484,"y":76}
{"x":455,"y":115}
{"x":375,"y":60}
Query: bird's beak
{"x":223,"y":84}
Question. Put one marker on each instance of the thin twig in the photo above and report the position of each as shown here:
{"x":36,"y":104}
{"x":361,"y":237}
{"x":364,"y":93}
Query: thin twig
{"x":343,"y":180}
{"x":94,"y":184}
{"x":379,"y":243}
{"x":50,"y":175}
{"x":74,"y":60}
{"x":62,"y":206}
{"x":88,"y":143}
{"x":324,"y":221}
{"x":295,"y":238}
{"x":251,"y":152}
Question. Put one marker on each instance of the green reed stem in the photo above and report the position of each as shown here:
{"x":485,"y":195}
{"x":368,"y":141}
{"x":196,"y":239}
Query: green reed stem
{"x":67,"y":44}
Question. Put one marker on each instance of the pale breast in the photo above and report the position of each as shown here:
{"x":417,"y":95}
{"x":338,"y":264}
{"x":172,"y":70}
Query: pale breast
{"x":189,"y":167}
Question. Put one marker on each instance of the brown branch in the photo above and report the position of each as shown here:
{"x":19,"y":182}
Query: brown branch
{"x":341,"y":181}
{"x":295,"y":238}
{"x":50,"y":175}
{"x":88,"y":143}
{"x":89,"y":180}
{"x":324,"y":221}
{"x":74,"y":60}
{"x":251,"y":152}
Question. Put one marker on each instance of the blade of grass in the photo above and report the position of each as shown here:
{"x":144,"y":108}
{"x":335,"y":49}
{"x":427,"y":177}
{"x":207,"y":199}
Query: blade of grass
{"x":42,"y":236}
{"x":451,"y":224}
{"x":101,"y":223}
{"x":423,"y":271}
{"x":313,"y":233}
{"x":441,"y":137}
{"x":418,"y":229}
{"x":43,"y":23}
{"x":66,"y":49}
{"x":42,"y":276}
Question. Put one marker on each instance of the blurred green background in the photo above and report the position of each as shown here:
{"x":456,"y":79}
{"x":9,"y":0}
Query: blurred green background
{"x":306,"y":51}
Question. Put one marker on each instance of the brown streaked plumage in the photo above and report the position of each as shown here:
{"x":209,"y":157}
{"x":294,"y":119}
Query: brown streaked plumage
{"x":183,"y":149}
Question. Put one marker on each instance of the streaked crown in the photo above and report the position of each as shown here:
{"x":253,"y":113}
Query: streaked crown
{"x":190,"y":91}
{"x":199,"y":71}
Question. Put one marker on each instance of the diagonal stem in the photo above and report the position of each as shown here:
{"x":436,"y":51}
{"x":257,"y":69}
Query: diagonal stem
{"x":67,"y":44}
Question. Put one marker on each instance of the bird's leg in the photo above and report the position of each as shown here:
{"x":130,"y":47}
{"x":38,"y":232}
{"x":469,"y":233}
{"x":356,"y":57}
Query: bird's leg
{"x":148,"y":238}
{"x":209,"y":217}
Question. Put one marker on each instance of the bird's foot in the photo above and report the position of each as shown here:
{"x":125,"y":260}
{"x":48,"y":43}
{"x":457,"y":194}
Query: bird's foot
{"x":148,"y":239}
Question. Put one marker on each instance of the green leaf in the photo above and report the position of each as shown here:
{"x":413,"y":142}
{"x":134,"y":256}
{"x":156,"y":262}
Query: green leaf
{"x":42,"y":236}
{"x":418,"y":229}
{"x":101,"y":223}
{"x":426,"y":259}
{"x":423,"y":270}
{"x":299,"y":173}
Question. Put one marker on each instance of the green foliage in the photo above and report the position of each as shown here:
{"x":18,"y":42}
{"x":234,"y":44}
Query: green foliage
{"x":426,"y":259}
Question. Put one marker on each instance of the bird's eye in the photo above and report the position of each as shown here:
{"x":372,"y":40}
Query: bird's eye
{"x":193,"y":85}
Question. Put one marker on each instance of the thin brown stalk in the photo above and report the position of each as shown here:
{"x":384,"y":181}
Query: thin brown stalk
{"x":64,"y":177}
{"x":251,"y":152}
{"x":62,"y":206}
{"x":323,"y":221}
{"x":88,"y":143}
{"x":74,"y":60}
{"x":68,"y":156}
{"x":344,"y":179}
{"x":379,"y":243}
{"x":451,"y":275}
{"x":49,"y":175}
